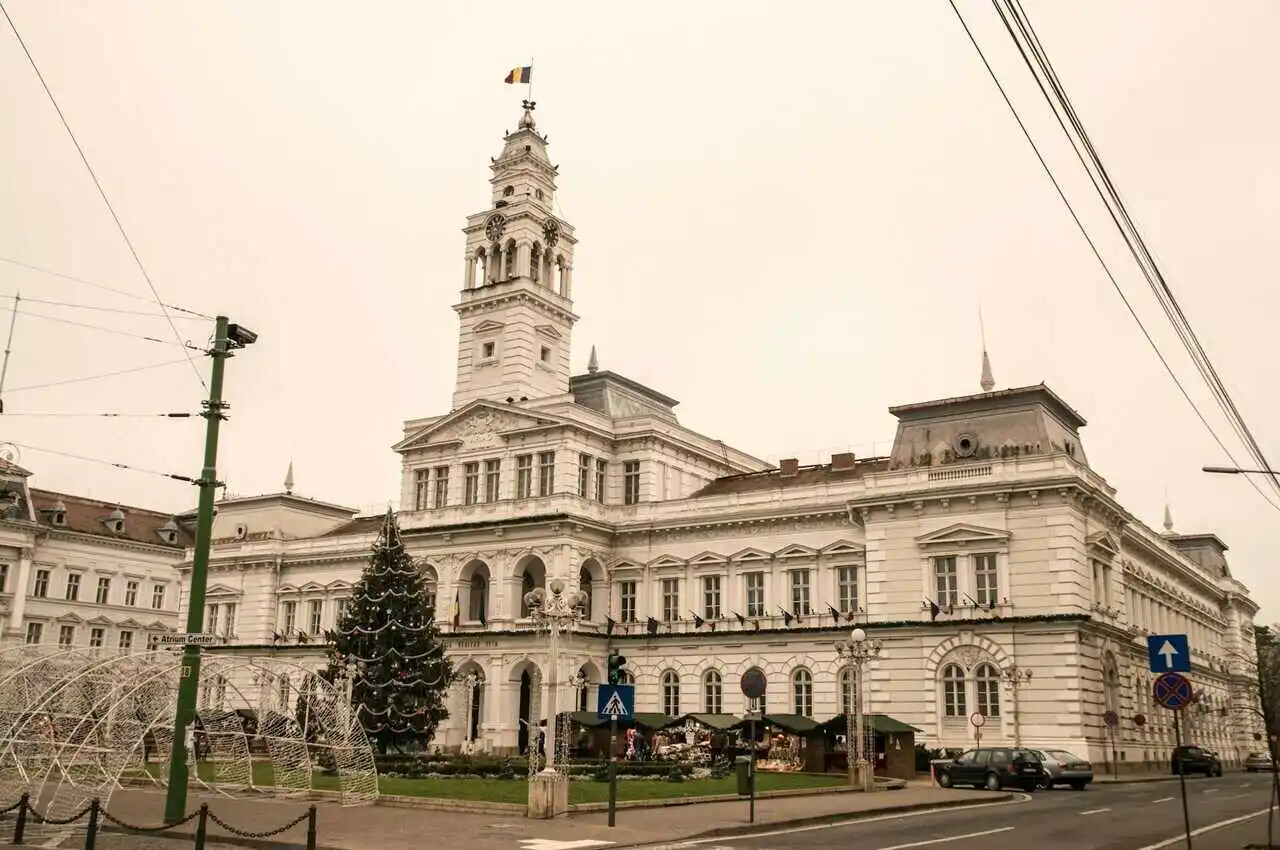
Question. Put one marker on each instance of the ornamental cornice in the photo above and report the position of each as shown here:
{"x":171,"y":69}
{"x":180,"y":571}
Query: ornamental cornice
{"x":518,"y":297}
{"x":112,"y":542}
{"x":919,"y":500}
{"x":747,"y":525}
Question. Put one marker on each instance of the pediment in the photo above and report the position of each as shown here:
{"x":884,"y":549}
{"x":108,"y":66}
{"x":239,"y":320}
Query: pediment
{"x":794,"y":551}
{"x":707,"y":559}
{"x":488,"y":326}
{"x":338,"y":584}
{"x":624,"y":565}
{"x":99,"y":621}
{"x":222,"y":590}
{"x":287,"y":588}
{"x":479,"y":425}
{"x":962,"y":534}
{"x":843,"y":548}
{"x":548,"y":331}
{"x":130,"y":624}
{"x":1104,"y":543}
{"x":749,"y":555}
{"x":157,"y":626}
{"x":70,"y":617}
{"x":667,"y":561}
{"x":312,"y":587}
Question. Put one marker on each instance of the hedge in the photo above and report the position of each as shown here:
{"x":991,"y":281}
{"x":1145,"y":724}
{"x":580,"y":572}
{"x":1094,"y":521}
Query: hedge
{"x":496,"y":767}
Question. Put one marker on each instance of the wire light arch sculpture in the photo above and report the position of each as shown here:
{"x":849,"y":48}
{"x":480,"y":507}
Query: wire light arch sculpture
{"x":77,"y":723}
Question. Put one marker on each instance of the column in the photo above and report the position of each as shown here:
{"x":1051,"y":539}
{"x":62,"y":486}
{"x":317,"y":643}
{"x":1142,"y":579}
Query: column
{"x":566,"y":281}
{"x":21,"y":584}
{"x":469,"y":271}
{"x":493,"y":730}
{"x":523,"y":250}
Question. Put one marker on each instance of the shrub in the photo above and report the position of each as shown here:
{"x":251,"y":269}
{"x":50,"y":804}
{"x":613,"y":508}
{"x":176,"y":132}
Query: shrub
{"x":675,"y":774}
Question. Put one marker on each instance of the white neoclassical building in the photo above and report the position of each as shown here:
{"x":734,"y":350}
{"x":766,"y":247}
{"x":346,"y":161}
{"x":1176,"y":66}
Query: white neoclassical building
{"x":983,"y":547}
{"x":78,"y":572}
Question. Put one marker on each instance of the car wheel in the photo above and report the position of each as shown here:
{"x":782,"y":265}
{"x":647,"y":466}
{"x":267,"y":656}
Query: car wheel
{"x":1078,"y":785}
{"x":1044,"y":784}
{"x":993,"y":782}
{"x":944,"y":779}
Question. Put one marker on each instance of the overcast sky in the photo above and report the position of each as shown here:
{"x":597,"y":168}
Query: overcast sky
{"x":789,"y":216}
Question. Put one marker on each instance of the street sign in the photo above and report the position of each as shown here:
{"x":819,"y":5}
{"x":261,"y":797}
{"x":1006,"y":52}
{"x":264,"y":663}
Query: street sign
{"x":1111,"y":719}
{"x":1173,"y":691}
{"x":978,"y":719}
{"x":614,"y":701}
{"x":1168,"y":654}
{"x":753,"y":683}
{"x":190,"y":639}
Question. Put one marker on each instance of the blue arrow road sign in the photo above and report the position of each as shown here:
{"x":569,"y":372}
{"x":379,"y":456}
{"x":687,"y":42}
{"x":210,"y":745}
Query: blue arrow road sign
{"x":616,"y":701}
{"x":1168,"y":654}
{"x":1173,"y":691}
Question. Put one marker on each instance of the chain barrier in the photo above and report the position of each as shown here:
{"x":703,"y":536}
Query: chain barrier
{"x":94,"y":811}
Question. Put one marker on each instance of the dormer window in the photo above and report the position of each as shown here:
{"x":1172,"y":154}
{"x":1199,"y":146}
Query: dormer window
{"x":115,"y":521}
{"x":58,"y":514}
{"x":169,"y":532}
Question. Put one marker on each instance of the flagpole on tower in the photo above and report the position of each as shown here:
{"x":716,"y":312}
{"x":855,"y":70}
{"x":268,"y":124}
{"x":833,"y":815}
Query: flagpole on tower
{"x":530,"y":95}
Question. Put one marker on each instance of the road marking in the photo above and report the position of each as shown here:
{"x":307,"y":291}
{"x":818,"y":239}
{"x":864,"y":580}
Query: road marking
{"x":58,"y":837}
{"x":1162,"y":800}
{"x":1095,"y":811}
{"x":1234,"y":796}
{"x":1207,"y":790}
{"x":1178,"y":839}
{"x":950,"y":838}
{"x":552,"y":844}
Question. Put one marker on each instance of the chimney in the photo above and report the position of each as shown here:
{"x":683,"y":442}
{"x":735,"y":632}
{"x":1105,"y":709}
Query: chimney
{"x":842,"y":461}
{"x":789,"y":467}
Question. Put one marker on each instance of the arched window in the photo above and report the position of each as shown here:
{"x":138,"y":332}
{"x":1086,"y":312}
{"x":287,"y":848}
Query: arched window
{"x":712,"y":692}
{"x":848,"y":690}
{"x":508,"y":191}
{"x":527,"y":585}
{"x":509,"y":260}
{"x":671,"y":693}
{"x":535,"y":262}
{"x":429,"y":585}
{"x":802,"y":692}
{"x":585,"y":585}
{"x":987,"y":680}
{"x":478,"y":599}
{"x":953,"y":698}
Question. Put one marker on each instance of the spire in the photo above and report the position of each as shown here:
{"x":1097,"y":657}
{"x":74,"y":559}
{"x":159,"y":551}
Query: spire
{"x":288,"y":480}
{"x":1168,"y":518}
{"x":526,"y":120}
{"x":988,"y":381}
{"x":593,"y":364}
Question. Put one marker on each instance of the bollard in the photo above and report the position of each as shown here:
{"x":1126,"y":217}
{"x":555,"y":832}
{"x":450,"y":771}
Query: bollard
{"x":311,"y":828}
{"x":20,"y":825}
{"x":202,"y":826}
{"x":91,"y":833}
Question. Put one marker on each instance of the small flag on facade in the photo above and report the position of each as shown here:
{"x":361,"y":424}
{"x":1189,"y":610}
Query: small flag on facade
{"x":652,"y":626}
{"x":835,"y":615}
{"x":457,"y":609}
{"x":520,"y":75}
{"x":742,"y":621}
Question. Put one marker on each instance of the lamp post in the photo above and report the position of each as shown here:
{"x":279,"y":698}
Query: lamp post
{"x":554,"y":608}
{"x":859,"y":651}
{"x":1235,"y":470}
{"x":1016,"y":677}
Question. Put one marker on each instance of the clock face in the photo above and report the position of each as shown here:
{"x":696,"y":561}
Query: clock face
{"x":551,"y":232}
{"x":497,"y":224}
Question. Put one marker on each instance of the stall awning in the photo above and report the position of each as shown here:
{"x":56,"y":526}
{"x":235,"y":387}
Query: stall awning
{"x":719,"y":722}
{"x":796,"y":724}
{"x":880,"y":723}
{"x":642,"y":719}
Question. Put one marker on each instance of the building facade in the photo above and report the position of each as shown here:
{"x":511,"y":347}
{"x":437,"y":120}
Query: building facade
{"x":75,"y":572}
{"x":995,"y":564}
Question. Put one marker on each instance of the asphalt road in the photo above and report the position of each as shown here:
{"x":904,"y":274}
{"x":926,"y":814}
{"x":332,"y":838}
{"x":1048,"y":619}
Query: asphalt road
{"x":1120,"y":816}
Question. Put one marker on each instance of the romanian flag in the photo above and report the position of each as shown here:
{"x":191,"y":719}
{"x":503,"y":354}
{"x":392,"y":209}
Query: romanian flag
{"x":520,"y":75}
{"x":457,"y":609}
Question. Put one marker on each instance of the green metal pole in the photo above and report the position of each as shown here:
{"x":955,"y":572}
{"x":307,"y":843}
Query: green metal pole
{"x":175,"y":803}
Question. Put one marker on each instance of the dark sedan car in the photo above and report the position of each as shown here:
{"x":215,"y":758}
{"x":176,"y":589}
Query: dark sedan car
{"x":1188,"y":760}
{"x":992,"y":768}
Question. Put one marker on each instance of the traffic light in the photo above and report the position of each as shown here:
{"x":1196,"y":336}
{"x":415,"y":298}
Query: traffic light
{"x":616,"y":663}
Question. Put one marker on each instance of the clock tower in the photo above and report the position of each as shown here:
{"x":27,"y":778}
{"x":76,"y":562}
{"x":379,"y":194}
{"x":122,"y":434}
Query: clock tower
{"x":516,"y":310}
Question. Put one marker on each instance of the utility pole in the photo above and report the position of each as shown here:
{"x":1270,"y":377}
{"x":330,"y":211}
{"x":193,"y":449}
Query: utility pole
{"x":227,"y":337}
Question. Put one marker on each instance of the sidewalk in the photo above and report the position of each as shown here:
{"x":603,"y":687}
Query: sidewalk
{"x":394,"y":828}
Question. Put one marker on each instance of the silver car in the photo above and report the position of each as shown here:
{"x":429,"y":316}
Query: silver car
{"x":1259,"y":761}
{"x":1060,"y":767}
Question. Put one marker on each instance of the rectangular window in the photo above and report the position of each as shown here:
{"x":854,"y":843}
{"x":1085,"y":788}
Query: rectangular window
{"x":986,"y":583}
{"x":315,"y":612}
{"x":631,"y":482}
{"x":492,"y":478}
{"x":73,"y":587}
{"x":153,"y":642}
{"x":1101,"y":584}
{"x":104,"y":590}
{"x":711,"y":597}
{"x":488,"y":350}
{"x":4,"y":578}
{"x":546,"y":473}
{"x":157,"y":597}
{"x":524,"y":476}
{"x":229,"y":619}
{"x":97,"y":637}
{"x":670,"y":599}
{"x":847,"y":589}
{"x":35,"y":631}
{"x":440,"y":487}
{"x":470,"y":483}
{"x":126,"y":641}
{"x":945,"y":583}
{"x":340,"y":610}
{"x":627,"y":601}
{"x":755,"y":594}
{"x":800,"y":593}
{"x":66,"y":635}
{"x":211,"y":618}
{"x":602,"y":479}
{"x":131,"y":593}
{"x":41,"y":588}
{"x":421,"y":489}
{"x":584,"y":476}
{"x":289,"y":620}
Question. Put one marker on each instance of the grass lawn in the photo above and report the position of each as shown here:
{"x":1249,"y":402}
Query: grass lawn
{"x":517,"y":790}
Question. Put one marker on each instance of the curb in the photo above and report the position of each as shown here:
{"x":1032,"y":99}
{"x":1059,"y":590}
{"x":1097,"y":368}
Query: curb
{"x":669,"y":802}
{"x":816,"y":820}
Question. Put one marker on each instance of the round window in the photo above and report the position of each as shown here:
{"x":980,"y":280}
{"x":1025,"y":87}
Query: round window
{"x":966,"y":445}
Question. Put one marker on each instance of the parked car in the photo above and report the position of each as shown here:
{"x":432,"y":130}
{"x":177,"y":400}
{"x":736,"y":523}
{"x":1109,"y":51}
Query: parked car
{"x":993,"y":768}
{"x":1059,"y":767}
{"x":1187,"y":760}
{"x":1259,"y":761}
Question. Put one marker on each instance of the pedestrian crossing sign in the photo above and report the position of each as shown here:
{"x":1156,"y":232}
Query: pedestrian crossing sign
{"x":616,"y":701}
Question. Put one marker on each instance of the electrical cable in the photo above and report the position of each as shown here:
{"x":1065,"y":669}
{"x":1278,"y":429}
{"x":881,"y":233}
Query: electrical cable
{"x":27,"y":314}
{"x":73,"y":305}
{"x":106,"y":415}
{"x":1059,"y":101}
{"x":98,"y":377}
{"x":195,"y":314}
{"x":101,"y":191}
{"x":1094,"y":248}
{"x":174,"y":476}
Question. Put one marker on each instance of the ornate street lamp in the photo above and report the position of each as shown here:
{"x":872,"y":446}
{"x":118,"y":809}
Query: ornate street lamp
{"x":860,"y":652}
{"x":554,"y":609}
{"x":1016,"y":677}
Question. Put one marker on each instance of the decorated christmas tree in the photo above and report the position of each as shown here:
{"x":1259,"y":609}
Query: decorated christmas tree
{"x":388,"y":644}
